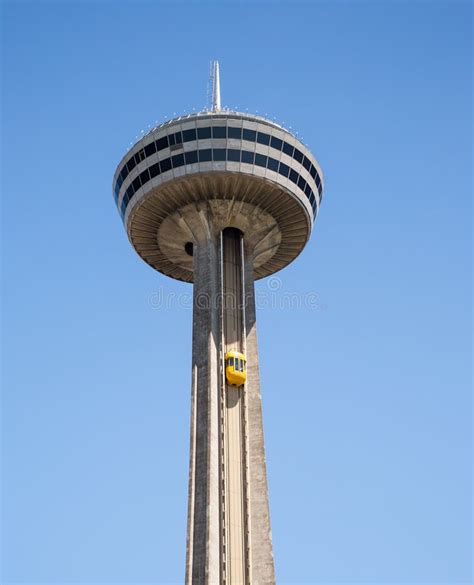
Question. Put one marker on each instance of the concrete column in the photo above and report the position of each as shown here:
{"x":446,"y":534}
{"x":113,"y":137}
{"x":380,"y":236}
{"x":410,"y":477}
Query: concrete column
{"x":262,"y":571}
{"x":229,"y":537}
{"x":203,"y":547}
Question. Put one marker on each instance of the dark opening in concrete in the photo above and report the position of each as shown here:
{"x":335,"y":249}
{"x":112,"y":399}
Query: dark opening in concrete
{"x":234,"y":231}
{"x":188,"y":248}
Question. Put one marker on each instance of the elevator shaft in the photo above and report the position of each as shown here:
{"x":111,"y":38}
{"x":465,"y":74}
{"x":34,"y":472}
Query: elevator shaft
{"x":235,"y":545}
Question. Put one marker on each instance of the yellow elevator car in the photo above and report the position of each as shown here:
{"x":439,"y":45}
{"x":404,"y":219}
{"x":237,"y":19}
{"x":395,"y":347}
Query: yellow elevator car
{"x":235,"y":368}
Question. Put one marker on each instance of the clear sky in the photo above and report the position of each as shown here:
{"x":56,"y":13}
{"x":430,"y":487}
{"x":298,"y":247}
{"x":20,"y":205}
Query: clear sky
{"x":367,"y":403}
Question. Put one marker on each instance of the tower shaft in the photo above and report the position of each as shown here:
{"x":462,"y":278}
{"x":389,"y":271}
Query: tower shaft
{"x":229,"y":538}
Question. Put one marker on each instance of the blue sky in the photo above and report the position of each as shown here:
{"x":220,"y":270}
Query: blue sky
{"x":366,"y":397}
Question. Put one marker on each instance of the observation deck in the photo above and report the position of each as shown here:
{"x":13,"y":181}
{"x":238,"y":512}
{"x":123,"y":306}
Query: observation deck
{"x":246,"y":171}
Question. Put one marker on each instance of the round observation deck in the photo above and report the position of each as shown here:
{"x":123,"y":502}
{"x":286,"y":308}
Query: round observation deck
{"x":243,"y":170}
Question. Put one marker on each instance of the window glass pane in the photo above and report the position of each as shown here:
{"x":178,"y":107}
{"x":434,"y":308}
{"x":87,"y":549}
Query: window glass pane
{"x":320,"y":190}
{"x":288,"y":149}
{"x":118,"y":182}
{"x":165,"y":165}
{"x":313,"y":172}
{"x":306,"y":164}
{"x":272,"y":164}
{"x":178,"y":138}
{"x":139,"y":156}
{"x":260,"y":160}
{"x":307,"y":190}
{"x":144,"y":176}
{"x":234,"y":132}
{"x":231,"y":362}
{"x":150,"y":149}
{"x":124,"y":172}
{"x":247,"y":157}
{"x":136,"y":184}
{"x":218,"y":154}
{"x":154,"y":170}
{"x":124,"y":205}
{"x":171,"y":139}
{"x":298,"y":155}
{"x":204,"y":133}
{"x":301,"y":183}
{"x":293,"y":176}
{"x":276,"y":143}
{"x":162,"y":143}
{"x":219,"y":131}
{"x":284,"y":169}
{"x":249,"y":134}
{"x":233,"y":154}
{"x":318,"y":181}
{"x":263,"y":138}
{"x":131,"y":164}
{"x":178,"y":160}
{"x":130,"y":191}
{"x":191,"y":157}
{"x":205,"y":155}
{"x":189,"y":135}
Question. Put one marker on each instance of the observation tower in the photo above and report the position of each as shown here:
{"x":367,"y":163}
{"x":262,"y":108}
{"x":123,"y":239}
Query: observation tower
{"x":221,"y":198}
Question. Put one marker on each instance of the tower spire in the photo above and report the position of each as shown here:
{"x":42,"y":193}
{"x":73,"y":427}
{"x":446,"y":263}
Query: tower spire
{"x":216,"y":87}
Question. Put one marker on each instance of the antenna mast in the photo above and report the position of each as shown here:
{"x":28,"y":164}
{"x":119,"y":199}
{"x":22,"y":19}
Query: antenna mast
{"x":216,"y":87}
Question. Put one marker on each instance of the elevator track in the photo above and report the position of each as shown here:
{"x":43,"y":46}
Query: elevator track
{"x":234,"y":449}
